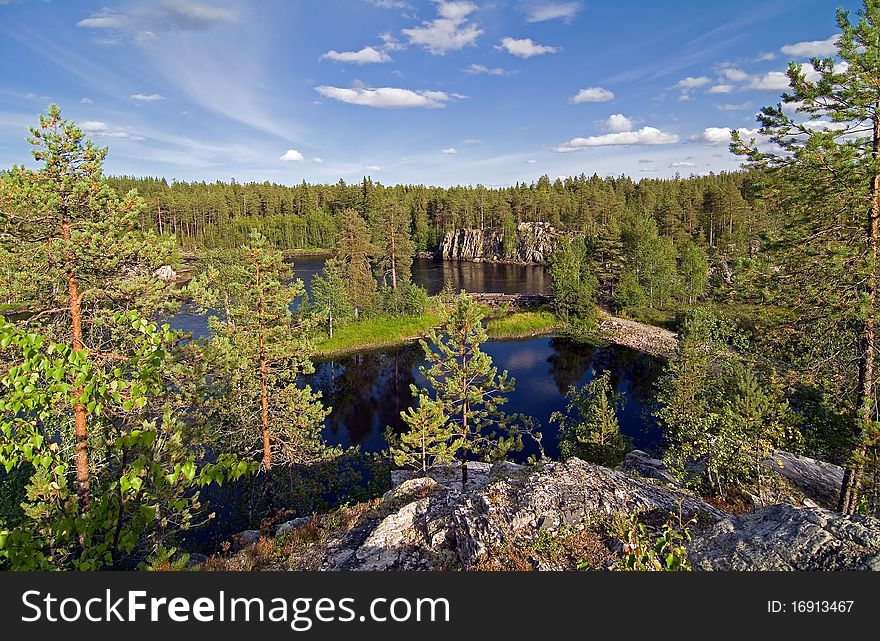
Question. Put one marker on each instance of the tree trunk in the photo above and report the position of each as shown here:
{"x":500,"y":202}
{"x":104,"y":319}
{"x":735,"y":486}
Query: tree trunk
{"x":464,"y":451}
{"x":264,"y":414}
{"x":865,"y":401}
{"x":80,"y":413}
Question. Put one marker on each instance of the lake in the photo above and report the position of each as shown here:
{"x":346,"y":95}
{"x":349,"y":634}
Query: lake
{"x":368,"y":390}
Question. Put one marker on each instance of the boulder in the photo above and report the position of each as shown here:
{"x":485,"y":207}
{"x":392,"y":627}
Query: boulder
{"x":166,"y":274}
{"x":818,"y":480}
{"x":785,"y":537}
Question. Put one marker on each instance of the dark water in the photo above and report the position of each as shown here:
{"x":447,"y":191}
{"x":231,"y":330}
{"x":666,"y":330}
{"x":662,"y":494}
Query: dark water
{"x":430,"y":274}
{"x":367,"y":391}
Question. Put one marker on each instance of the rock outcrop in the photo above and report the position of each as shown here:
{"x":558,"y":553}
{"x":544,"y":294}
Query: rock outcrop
{"x":557,"y":515}
{"x":785,"y":537}
{"x":533,"y":244}
{"x":433,"y":525}
{"x":639,"y":336}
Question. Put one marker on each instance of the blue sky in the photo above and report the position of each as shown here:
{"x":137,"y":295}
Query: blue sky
{"x":432,"y":92}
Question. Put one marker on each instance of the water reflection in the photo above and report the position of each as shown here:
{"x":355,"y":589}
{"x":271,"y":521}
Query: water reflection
{"x":368,"y":391}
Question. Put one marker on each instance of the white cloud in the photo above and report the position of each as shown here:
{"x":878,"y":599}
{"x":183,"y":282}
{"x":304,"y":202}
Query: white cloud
{"x":153,"y":97}
{"x":373,"y":168}
{"x":617,"y":123}
{"x":144,"y":22}
{"x":390,"y":4}
{"x":721,"y":135}
{"x":317,"y":160}
{"x":592,"y":94}
{"x":386,"y":97}
{"x":291,"y":155}
{"x":689,"y":83}
{"x":727,"y":106}
{"x":811,"y":48}
{"x":451,"y":151}
{"x":764,"y":57}
{"x":720,"y":89}
{"x":492,"y":71}
{"x":531,"y":161}
{"x":473,"y":141}
{"x":366,"y":56}
{"x":390,"y":43}
{"x":97,"y":129}
{"x":734,"y":74}
{"x":86,"y":101}
{"x":682,"y":164}
{"x":451,"y":31}
{"x":770,"y":81}
{"x":644,"y":136}
{"x":524,"y":47}
{"x":553,"y":11}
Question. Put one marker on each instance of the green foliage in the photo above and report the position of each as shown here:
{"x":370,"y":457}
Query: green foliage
{"x":589,"y":429}
{"x":330,"y":296}
{"x":572,"y":283}
{"x":629,"y":293}
{"x":145,"y":471}
{"x":430,"y":438}
{"x":407,"y":300}
{"x":258,"y":349}
{"x":693,"y":271}
{"x":717,"y":415}
{"x":468,"y":387}
{"x":354,"y":252}
{"x":645,"y":550}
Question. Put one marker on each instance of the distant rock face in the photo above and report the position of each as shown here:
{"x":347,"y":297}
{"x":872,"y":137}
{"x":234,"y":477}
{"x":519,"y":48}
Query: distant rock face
{"x":785,"y":537}
{"x":534,"y":243}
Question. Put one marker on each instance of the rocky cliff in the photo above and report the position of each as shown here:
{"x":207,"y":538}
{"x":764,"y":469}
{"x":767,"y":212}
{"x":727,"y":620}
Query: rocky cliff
{"x":562,"y":515}
{"x":533,"y":244}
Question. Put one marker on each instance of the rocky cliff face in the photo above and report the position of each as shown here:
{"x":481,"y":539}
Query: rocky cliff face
{"x":533,"y":244}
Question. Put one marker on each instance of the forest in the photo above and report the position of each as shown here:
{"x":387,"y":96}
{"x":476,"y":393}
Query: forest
{"x":114,"y":427}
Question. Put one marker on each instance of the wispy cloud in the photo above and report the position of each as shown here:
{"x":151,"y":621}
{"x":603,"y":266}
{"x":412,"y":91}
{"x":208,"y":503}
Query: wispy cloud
{"x":553,"y":11}
{"x":145,"y":21}
{"x":153,"y":97}
{"x":491,"y":71}
{"x":367,"y":55}
{"x":99,"y":130}
{"x":644,"y":136}
{"x":386,"y":97}
{"x":450,"y":151}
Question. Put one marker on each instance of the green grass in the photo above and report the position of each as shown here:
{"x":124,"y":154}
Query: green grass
{"x":522,"y":324}
{"x":378,"y":331}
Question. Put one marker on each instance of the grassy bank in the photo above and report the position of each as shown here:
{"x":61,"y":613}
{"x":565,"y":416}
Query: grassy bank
{"x":522,"y":325}
{"x":375,"y":332}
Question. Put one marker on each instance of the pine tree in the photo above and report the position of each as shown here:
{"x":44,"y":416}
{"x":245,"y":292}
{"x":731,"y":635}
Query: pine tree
{"x":572,"y":283}
{"x":260,"y":351}
{"x":468,"y":386}
{"x":827,"y":179}
{"x":354,"y":251}
{"x":395,"y":245}
{"x":589,"y":429}
{"x":430,"y":439}
{"x":77,"y":253}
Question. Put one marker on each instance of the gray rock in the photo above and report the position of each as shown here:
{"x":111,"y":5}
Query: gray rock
{"x":443,"y":528}
{"x":293,"y":524}
{"x":534,"y":243}
{"x":819,"y":481}
{"x":166,"y":274}
{"x":785,"y":537}
{"x":245,"y":539}
{"x":644,"y":465}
